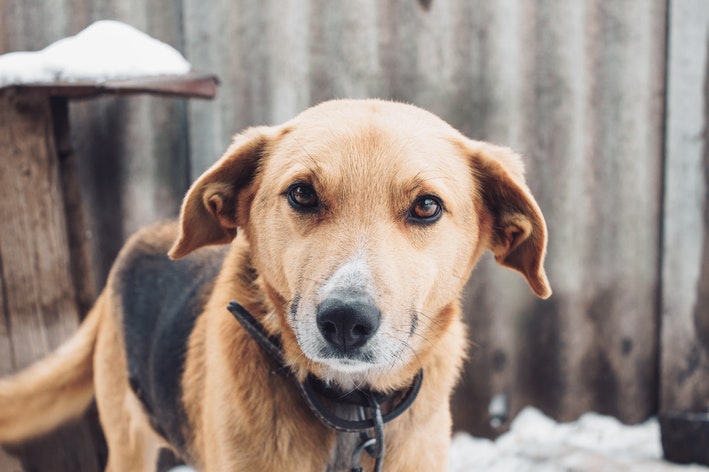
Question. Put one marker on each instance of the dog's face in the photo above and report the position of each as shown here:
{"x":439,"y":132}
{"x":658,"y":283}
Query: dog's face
{"x":365,"y":219}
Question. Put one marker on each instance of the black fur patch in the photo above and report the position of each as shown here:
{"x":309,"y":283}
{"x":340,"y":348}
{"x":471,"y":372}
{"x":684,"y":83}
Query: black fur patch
{"x":161,"y":300}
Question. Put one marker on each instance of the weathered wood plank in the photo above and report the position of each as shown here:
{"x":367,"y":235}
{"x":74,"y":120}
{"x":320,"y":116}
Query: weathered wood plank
{"x":39,"y":305}
{"x":15,"y":34}
{"x":38,"y":291}
{"x":77,"y":237}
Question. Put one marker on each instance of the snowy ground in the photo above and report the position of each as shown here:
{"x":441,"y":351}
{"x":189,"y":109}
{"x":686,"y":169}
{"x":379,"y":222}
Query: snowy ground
{"x":536,"y":443}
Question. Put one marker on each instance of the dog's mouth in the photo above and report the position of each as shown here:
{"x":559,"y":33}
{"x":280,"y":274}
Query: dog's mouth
{"x":359,"y":360}
{"x":337,"y":360}
{"x":348,"y":357}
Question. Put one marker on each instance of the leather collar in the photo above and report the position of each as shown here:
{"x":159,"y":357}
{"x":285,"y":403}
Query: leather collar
{"x":313,"y":389}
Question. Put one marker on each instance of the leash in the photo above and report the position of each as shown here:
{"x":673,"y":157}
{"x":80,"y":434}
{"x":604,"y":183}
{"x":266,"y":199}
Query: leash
{"x":371,"y":420}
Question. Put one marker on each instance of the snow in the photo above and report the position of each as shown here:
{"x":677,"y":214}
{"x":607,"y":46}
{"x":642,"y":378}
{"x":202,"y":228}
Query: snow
{"x":536,"y":443}
{"x":106,"y":50}
{"x":592,"y":443}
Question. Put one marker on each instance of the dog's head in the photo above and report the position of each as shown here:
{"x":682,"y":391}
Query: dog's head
{"x":365,"y":219}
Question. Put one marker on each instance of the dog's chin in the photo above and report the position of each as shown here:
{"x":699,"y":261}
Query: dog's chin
{"x":347,"y":366}
{"x":347,"y":374}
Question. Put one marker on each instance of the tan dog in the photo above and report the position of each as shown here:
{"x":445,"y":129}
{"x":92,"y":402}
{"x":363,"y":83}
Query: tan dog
{"x":359,"y":223}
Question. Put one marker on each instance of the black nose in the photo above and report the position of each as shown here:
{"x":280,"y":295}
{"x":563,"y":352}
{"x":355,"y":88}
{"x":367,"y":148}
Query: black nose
{"x":348,"y":321}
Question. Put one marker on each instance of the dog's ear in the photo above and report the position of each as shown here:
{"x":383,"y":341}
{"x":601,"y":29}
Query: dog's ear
{"x":519,"y":232}
{"x":209,"y":210}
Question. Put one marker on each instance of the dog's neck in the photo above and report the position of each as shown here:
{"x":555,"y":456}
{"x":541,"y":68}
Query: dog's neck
{"x":333,"y":407}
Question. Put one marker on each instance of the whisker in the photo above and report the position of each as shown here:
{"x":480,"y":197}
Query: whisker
{"x":410,"y":348}
{"x":432,"y":320}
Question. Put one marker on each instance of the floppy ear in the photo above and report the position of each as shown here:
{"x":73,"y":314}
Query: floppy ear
{"x":519,"y":233}
{"x":209,"y":210}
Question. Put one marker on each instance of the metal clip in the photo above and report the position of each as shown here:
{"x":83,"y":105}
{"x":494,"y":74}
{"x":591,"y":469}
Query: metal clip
{"x":357,"y":454}
{"x":374,"y":445}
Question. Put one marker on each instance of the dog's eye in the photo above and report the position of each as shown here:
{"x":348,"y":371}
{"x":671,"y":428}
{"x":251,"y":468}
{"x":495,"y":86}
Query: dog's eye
{"x":426,"y":209}
{"x":302,"y":197}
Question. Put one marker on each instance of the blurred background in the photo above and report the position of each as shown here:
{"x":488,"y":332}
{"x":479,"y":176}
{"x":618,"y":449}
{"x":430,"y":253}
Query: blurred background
{"x":606,"y":100}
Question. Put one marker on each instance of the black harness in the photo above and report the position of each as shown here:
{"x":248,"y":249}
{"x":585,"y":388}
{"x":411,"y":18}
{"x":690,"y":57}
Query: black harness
{"x":367,"y":403}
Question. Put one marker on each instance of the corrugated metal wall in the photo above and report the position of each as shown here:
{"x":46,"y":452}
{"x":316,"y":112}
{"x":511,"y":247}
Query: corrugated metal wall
{"x":685,"y":274}
{"x":577,"y":87}
{"x":585,"y":106}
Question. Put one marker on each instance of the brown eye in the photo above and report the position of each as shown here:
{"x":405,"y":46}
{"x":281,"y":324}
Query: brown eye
{"x":302,"y":197}
{"x":426,"y":209}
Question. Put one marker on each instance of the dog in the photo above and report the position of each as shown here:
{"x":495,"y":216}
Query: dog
{"x":347,"y":234}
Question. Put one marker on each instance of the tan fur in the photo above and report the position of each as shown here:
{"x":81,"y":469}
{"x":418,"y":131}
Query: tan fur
{"x":47,"y":394}
{"x":368,"y":161}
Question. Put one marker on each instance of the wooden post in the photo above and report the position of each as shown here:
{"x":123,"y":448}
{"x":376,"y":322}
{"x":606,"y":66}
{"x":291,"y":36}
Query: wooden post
{"x":84,"y":286}
{"x":38,"y":308}
{"x":46,"y":282}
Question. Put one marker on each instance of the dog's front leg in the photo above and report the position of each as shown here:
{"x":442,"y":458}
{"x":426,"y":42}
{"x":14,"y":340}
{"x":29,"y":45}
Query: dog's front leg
{"x":132,"y":443}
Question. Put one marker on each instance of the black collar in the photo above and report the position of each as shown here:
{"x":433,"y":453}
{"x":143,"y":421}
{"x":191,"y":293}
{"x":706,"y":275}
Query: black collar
{"x":313,"y":389}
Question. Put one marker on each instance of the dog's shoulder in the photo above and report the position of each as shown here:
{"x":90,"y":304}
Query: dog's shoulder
{"x":148,"y":283}
{"x":160,"y":300}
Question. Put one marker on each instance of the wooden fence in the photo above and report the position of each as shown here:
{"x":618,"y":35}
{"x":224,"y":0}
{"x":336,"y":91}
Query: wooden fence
{"x":606,"y":100}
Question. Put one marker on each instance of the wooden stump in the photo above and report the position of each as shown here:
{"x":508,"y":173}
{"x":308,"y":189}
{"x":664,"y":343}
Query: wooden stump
{"x":38,"y":302}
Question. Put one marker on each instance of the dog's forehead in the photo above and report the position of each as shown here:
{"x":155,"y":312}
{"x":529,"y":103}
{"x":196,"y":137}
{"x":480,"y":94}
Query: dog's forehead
{"x":357,"y":110}
{"x":347,"y":119}
{"x":369,"y":140}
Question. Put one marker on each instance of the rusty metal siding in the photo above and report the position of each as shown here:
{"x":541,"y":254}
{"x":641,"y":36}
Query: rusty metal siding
{"x":590,"y":124}
{"x":685,"y":276}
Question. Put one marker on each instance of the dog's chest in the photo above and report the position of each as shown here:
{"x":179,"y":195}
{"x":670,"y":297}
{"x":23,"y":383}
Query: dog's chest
{"x":341,"y":456}
{"x":160,"y":301}
{"x":345,"y":443}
